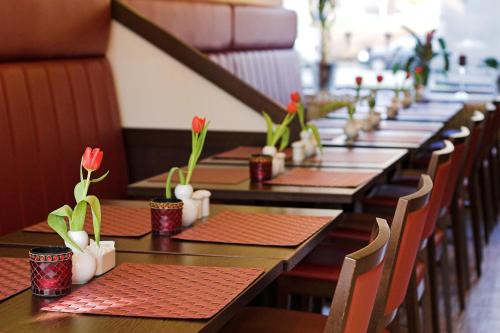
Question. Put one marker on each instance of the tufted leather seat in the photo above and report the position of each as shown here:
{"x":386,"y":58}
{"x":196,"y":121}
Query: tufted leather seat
{"x":56,"y":97}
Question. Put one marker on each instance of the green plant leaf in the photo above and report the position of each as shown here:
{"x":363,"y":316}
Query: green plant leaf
{"x":64,"y":211}
{"x":79,"y":191}
{"x":285,"y":139}
{"x":317,"y":137}
{"x":491,"y":62}
{"x":100,"y":178}
{"x":409,"y":62}
{"x":442,"y":43}
{"x":414,"y":34}
{"x":95,"y":206}
{"x":58,"y":224}
{"x":81,"y":169}
{"x":270,"y":128}
{"x":168,"y":186}
{"x":395,"y":68}
{"x":78,"y":216}
{"x":302,"y":117}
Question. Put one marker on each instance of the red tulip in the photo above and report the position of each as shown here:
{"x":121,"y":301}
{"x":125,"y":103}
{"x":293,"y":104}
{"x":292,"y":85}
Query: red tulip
{"x":198,"y":124}
{"x":92,"y":159}
{"x":419,"y":70}
{"x":359,"y":80}
{"x":292,"y":107}
{"x":380,"y":78}
{"x":294,"y":96}
{"x":429,"y":36}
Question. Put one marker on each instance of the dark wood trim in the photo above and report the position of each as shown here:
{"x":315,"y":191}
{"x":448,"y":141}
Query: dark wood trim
{"x":152,"y":151}
{"x":196,"y":61}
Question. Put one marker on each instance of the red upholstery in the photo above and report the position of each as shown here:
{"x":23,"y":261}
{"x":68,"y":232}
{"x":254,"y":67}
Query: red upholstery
{"x":57,"y":28}
{"x":263,"y":28}
{"x":51,"y":109}
{"x":205,"y":26}
{"x":358,"y":235}
{"x":316,"y":272}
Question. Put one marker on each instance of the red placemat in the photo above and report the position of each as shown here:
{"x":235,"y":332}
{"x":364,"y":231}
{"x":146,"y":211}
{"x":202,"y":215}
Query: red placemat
{"x":212,"y":175}
{"x":244,"y":152}
{"x":14,"y":276}
{"x":117,"y":221}
{"x":353,"y":156}
{"x":255,"y":229}
{"x":320,"y":178}
{"x":159,"y":291}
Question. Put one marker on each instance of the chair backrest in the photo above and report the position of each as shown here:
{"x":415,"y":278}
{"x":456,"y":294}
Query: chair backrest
{"x":477,"y":130}
{"x":56,"y":97}
{"x":491,"y":116}
{"x":439,"y":171}
{"x":406,"y":232}
{"x":461,"y":142}
{"x":358,"y":283}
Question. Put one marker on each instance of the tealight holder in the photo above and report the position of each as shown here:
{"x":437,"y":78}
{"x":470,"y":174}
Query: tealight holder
{"x":261,"y":167}
{"x":166,"y":216}
{"x":51,"y":270}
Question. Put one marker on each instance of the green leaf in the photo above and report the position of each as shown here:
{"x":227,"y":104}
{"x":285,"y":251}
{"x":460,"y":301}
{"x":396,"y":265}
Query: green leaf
{"x":302,"y":115}
{"x":95,"y":206}
{"x":168,"y":186}
{"x":317,"y":137}
{"x":414,"y":34}
{"x":270,"y":128}
{"x":491,"y":62}
{"x":81,"y":169}
{"x":78,"y":216}
{"x":100,"y":178}
{"x":442,"y":43}
{"x":285,"y":139}
{"x":79,"y":191}
{"x":409,"y":62}
{"x":58,"y":224}
{"x":64,"y":211}
{"x":395,"y":68}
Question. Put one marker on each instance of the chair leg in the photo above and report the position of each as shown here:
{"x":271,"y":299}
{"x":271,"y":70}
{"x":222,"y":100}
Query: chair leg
{"x":283,"y":296}
{"x":476,"y":222}
{"x":432,"y":286}
{"x":460,"y":246}
{"x":446,"y":287}
{"x":412,"y":311}
{"x":494,"y":182}
{"x":486,"y":200}
{"x":426,"y":302}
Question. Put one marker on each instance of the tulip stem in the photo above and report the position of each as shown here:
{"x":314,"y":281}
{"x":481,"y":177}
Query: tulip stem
{"x":87,"y":183}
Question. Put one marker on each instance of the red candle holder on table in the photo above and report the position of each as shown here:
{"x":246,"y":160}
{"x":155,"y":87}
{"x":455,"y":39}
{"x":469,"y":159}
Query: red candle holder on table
{"x":166,"y":216}
{"x":51,"y":270}
{"x":261,"y":167}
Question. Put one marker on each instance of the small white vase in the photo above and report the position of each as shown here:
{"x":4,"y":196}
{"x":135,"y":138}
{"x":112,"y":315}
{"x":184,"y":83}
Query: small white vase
{"x":84,"y":267}
{"x":351,"y":130}
{"x":419,"y":93}
{"x":407,"y":99}
{"x":269,"y":150}
{"x":393,"y":109}
{"x":280,"y":159}
{"x":81,"y":238}
{"x":307,"y":138}
{"x":374,"y":119}
{"x":298,"y":151}
{"x":190,"y":208}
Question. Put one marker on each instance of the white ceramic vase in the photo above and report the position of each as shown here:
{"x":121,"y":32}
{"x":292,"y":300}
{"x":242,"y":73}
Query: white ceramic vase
{"x":309,"y":143}
{"x":419,"y":93}
{"x":407,"y":99}
{"x":374,"y":119}
{"x":81,"y":238}
{"x":351,"y":130}
{"x":393,"y":108}
{"x":280,"y":160}
{"x":298,"y":151}
{"x":269,"y":150}
{"x":84,"y":267}
{"x":190,"y":208}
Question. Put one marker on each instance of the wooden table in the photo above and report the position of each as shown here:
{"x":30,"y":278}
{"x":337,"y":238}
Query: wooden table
{"x":21,"y":313}
{"x":412,"y":140}
{"x":336,"y":157}
{"x":247,"y":191}
{"x":289,"y":256}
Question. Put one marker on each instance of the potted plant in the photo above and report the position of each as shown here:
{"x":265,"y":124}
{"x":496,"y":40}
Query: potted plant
{"x":184,"y":190}
{"x":424,"y":53}
{"x":322,"y":13}
{"x":351,"y":129}
{"x":373,"y":119}
{"x":77,"y":239}
{"x":309,"y":133}
{"x":418,"y":77}
{"x":493,"y":63}
{"x":278,"y":133}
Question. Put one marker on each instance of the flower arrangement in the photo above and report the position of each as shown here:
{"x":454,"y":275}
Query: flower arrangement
{"x":295,"y":101}
{"x":372,"y":100}
{"x":280,"y":133}
{"x":199,"y":129}
{"x":359,"y":84}
{"x":91,"y":161}
{"x":351,"y":110}
{"x":424,"y":54}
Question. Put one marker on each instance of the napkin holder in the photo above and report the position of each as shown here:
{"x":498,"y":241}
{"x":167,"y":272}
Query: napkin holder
{"x":105,"y":255}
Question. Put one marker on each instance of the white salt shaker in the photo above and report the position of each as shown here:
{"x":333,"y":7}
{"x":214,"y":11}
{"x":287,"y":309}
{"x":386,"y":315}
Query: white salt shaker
{"x":203,"y":196}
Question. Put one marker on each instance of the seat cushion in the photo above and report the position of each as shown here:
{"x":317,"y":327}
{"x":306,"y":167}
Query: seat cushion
{"x":344,"y":233}
{"x":315,"y":272}
{"x":387,"y":195}
{"x":262,"y":320}
{"x":49,"y":112}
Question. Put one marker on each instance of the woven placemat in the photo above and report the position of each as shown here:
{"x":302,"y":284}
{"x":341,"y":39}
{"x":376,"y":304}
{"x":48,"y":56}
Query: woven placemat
{"x":353,"y":156}
{"x":255,"y":229}
{"x":117,"y":221}
{"x":321,"y":178}
{"x":212,"y":175}
{"x":244,"y":152}
{"x":159,"y":291}
{"x":14,"y":276}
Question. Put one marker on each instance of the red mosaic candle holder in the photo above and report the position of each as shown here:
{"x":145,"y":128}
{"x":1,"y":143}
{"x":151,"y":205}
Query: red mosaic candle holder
{"x":50,"y":270}
{"x":166,"y":216}
{"x":261,"y":167}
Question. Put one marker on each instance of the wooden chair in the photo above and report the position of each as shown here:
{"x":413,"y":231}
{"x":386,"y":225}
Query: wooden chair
{"x":313,"y":277}
{"x":352,"y":302}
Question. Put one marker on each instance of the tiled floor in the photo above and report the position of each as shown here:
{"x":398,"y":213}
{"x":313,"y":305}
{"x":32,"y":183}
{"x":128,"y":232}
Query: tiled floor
{"x":482,"y":314}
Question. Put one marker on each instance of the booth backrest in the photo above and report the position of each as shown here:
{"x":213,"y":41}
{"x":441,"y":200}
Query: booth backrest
{"x":253,"y":43}
{"x":56,"y":96}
